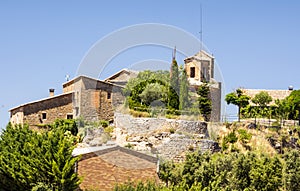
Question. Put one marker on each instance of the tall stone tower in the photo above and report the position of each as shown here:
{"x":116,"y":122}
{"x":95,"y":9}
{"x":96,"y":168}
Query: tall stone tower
{"x":200,"y":69}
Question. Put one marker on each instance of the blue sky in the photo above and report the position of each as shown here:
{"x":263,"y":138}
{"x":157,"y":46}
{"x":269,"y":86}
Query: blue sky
{"x":256,"y":43}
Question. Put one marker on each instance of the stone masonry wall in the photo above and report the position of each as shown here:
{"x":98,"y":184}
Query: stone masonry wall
{"x":216,"y":97}
{"x":95,"y":103}
{"x":167,"y":138}
{"x":145,"y":126}
{"x":57,"y":107}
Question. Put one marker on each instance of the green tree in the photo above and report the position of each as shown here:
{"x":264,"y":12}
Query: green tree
{"x":184,"y":91}
{"x":205,"y":104}
{"x":29,"y":159}
{"x":173,"y":98}
{"x":262,"y":99}
{"x":152,"y":92}
{"x":292,"y":171}
{"x":242,"y":166}
{"x":239,"y":99}
{"x":283,"y":109}
{"x":266,"y":173}
{"x":294,"y":102}
{"x":135,"y":88}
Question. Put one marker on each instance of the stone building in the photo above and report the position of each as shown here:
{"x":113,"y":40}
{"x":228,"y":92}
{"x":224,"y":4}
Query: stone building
{"x":85,"y":97}
{"x":200,"y":68}
{"x":121,"y":78}
{"x":101,"y":168}
{"x":275,"y":94}
{"x":43,"y":111}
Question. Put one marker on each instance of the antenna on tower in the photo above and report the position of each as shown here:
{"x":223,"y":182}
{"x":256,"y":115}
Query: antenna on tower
{"x":201,"y":29}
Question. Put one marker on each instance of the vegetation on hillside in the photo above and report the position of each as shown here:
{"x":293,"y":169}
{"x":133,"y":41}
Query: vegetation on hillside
{"x":234,"y":171}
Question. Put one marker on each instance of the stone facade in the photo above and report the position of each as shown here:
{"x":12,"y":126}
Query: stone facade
{"x":96,"y":100}
{"x":104,"y":168}
{"x":44,"y":111}
{"x":199,"y":69}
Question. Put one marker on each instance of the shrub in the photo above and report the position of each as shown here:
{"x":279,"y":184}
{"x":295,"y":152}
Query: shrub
{"x":129,"y":146}
{"x":172,"y":130}
{"x":139,"y":113}
{"x":244,"y":135}
{"x":231,"y":137}
{"x":104,"y":123}
{"x":109,"y":129}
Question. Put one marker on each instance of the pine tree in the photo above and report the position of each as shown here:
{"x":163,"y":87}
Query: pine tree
{"x":184,"y":91}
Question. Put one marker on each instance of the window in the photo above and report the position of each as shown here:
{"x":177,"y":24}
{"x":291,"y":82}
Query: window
{"x":192,"y":72}
{"x":108,"y":95}
{"x":69,"y":116}
{"x":44,"y":116}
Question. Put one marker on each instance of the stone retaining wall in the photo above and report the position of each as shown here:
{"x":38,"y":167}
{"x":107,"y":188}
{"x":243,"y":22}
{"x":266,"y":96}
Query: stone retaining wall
{"x":167,"y":138}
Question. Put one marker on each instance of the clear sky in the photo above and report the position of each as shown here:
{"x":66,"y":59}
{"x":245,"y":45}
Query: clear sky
{"x":255,"y":43}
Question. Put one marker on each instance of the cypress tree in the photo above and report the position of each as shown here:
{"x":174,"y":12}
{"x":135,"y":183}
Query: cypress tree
{"x":184,"y":91}
{"x":173,"y":101}
{"x":204,"y":101}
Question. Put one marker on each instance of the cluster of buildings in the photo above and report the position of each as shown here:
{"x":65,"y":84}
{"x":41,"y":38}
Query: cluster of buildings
{"x":93,"y":100}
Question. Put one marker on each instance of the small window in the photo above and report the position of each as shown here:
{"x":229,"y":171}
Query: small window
{"x":108,"y":95}
{"x":192,"y":72}
{"x":44,"y":116}
{"x":69,"y":116}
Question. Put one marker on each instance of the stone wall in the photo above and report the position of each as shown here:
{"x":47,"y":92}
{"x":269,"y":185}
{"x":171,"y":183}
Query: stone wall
{"x":167,"y":138}
{"x":216,"y":96}
{"x":145,"y":126}
{"x":98,"y":99}
{"x":17,"y":116}
{"x":53,"y":108}
{"x":104,"y":171}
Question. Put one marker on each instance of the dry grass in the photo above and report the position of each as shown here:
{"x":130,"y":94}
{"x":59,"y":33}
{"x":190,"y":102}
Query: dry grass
{"x":258,"y":141}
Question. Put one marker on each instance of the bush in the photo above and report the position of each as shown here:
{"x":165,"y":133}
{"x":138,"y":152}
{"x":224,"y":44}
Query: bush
{"x":129,"y":146}
{"x":244,"y":135}
{"x":41,"y":187}
{"x":172,"y":130}
{"x":139,"y":113}
{"x":231,"y":137}
{"x":109,"y":129}
{"x":104,"y":123}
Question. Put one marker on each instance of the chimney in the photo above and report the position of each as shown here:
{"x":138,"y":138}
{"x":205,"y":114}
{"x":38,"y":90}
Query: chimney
{"x":51,"y":92}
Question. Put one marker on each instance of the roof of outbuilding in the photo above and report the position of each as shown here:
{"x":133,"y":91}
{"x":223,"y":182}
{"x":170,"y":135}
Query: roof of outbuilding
{"x":112,"y":147}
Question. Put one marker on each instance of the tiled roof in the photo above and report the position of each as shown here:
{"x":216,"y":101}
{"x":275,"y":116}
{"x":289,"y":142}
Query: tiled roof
{"x":41,"y":100}
{"x":112,"y":147}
